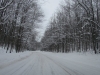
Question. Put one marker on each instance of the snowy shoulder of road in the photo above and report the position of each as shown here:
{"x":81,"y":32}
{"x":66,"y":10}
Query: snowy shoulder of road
{"x":83,"y":58}
{"x":48,"y":63}
{"x":8,"y":57}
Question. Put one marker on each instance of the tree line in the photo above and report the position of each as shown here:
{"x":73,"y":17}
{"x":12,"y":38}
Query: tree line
{"x":18,"y":20}
{"x":74,"y":27}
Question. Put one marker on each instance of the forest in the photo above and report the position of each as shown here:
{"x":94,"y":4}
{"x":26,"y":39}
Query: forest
{"x":18,"y":20}
{"x":74,"y":27}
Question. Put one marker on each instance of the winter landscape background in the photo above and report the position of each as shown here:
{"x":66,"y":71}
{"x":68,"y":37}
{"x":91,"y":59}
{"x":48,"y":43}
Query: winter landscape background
{"x":49,"y":37}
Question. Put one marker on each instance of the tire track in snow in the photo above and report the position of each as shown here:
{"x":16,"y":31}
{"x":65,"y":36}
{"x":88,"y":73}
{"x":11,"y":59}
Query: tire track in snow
{"x":41,"y":59}
{"x":26,"y":69}
{"x":66,"y":69}
{"x":56,"y":64}
{"x":29,"y":68}
{"x":13,"y":62}
{"x":14,"y":70}
{"x":59,"y":65}
{"x":52,"y":71}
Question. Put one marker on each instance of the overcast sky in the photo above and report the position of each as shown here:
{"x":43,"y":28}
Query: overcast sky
{"x":49,"y":7}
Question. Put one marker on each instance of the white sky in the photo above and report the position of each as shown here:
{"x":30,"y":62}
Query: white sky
{"x":49,"y":7}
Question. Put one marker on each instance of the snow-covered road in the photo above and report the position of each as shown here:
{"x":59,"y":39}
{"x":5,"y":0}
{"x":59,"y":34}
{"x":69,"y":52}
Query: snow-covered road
{"x":45,"y":63}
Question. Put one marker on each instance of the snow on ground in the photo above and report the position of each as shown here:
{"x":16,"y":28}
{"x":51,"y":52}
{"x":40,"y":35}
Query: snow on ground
{"x":48,"y":63}
{"x":9,"y":58}
{"x":83,"y":63}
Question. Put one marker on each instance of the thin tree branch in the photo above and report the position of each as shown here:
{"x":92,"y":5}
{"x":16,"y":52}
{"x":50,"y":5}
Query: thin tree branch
{"x":2,"y":8}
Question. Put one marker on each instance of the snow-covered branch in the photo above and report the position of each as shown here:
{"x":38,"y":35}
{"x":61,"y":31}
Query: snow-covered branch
{"x":2,"y":8}
{"x":92,"y":22}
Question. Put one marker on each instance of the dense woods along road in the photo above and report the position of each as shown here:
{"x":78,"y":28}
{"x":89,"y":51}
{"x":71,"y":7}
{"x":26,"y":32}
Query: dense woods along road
{"x":44,"y":63}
